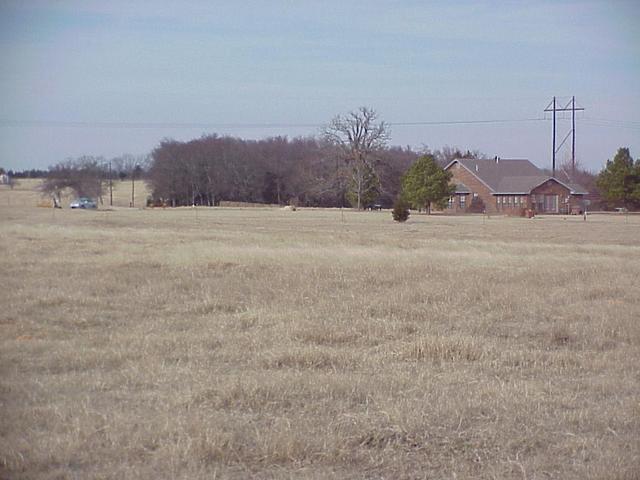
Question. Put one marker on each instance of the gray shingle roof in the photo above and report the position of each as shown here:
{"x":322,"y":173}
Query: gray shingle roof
{"x":519,"y":184}
{"x":576,"y":189}
{"x":510,"y":176}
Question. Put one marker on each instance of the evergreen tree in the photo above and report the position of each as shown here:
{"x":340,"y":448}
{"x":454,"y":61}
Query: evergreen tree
{"x":619,"y":181}
{"x":400,"y":210}
{"x":426,"y":184}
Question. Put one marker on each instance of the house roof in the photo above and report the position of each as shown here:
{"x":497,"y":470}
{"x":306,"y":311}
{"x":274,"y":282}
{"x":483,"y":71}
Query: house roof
{"x":520,"y":184}
{"x":575,"y":188}
{"x":510,"y":176}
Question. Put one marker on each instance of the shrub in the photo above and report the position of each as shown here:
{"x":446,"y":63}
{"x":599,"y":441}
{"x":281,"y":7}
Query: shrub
{"x":400,"y":210}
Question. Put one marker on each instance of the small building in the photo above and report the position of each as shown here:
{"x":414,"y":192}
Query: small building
{"x":510,"y":187}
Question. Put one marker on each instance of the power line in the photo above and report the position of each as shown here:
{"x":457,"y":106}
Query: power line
{"x":635,"y":122}
{"x":226,"y":126}
{"x":190,"y":125}
{"x":466,"y":122}
{"x":602,"y":122}
{"x":68,"y":124}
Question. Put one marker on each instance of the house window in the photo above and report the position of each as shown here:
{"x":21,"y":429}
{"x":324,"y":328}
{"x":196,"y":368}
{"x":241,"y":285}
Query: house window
{"x":450,"y":203}
{"x":463,"y":201}
{"x":537,"y":202}
{"x":508,"y":200}
{"x":551,"y":203}
{"x":516,"y":200}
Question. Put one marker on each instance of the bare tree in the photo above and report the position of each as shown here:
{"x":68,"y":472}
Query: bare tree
{"x":305,"y":170}
{"x":360,"y":138}
{"x":448,"y":153}
{"x":132,"y":167}
{"x":126,"y":165}
{"x":575,"y":173}
{"x":85,"y":176}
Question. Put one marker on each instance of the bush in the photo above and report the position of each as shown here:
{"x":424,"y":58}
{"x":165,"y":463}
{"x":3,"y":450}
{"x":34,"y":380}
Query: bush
{"x":400,"y":210}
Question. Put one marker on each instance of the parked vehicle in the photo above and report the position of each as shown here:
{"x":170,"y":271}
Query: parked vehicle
{"x":83,"y":202}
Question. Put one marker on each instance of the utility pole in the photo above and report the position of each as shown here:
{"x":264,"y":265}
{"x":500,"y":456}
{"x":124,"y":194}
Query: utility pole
{"x":573,"y":137}
{"x":133,"y":178}
{"x":110,"y":186}
{"x":552,"y":107}
{"x":554,"y":136}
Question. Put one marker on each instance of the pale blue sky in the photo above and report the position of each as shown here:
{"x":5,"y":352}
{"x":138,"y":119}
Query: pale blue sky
{"x":85,"y":77}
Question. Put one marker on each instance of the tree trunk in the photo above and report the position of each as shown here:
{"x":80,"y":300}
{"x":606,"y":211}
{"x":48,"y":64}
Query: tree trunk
{"x":359,"y":183}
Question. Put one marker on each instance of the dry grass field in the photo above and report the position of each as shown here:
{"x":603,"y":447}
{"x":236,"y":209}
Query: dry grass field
{"x":26,"y":193}
{"x":262,"y":343}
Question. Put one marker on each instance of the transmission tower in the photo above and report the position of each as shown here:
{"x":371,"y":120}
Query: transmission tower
{"x":569,"y":107}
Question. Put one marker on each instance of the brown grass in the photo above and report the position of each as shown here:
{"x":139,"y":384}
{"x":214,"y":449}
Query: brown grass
{"x":235,"y":343}
{"x":26,"y":193}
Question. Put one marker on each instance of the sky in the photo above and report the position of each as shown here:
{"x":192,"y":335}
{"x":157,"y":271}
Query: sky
{"x":107,"y":78}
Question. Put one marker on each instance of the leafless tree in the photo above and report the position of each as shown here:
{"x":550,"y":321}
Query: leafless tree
{"x":448,"y":153}
{"x":85,"y":176}
{"x":360,"y":138}
{"x":127,"y":165}
{"x":579,"y":175}
{"x":575,"y":173}
{"x":306,"y":170}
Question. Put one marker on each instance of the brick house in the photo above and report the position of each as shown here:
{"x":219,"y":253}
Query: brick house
{"x":509,"y":187}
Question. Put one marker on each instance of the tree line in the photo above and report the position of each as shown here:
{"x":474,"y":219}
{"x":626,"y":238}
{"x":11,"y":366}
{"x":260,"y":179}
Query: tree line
{"x":349,"y":164}
{"x":89,"y":176}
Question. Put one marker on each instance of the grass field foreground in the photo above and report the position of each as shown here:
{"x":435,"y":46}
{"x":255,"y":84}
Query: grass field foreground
{"x":235,"y":343}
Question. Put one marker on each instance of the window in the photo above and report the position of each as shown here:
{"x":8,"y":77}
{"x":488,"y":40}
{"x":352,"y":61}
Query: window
{"x":537,"y":202}
{"x":463,"y":201}
{"x":551,"y":203}
{"x":516,"y":201}
{"x":450,"y":203}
